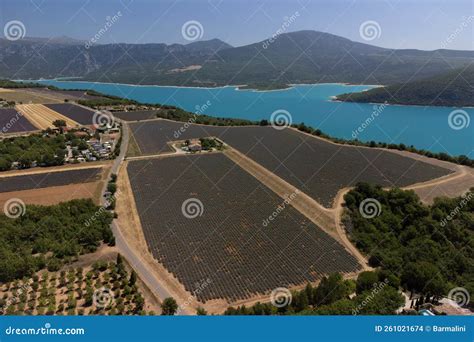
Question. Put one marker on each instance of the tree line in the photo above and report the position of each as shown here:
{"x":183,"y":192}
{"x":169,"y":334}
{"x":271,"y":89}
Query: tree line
{"x":373,"y":293}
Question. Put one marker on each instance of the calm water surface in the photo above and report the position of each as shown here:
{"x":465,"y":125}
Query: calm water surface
{"x":424,"y":127}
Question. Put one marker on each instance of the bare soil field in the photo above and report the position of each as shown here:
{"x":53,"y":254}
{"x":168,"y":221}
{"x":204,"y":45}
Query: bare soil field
{"x":244,"y":241}
{"x":68,"y":182}
{"x":55,"y":194}
{"x":317,"y":167}
{"x":12,"y":122}
{"x":76,"y":113}
{"x":43,"y":117}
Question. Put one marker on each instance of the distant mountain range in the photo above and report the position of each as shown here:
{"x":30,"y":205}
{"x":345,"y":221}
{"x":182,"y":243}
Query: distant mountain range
{"x":297,"y":57}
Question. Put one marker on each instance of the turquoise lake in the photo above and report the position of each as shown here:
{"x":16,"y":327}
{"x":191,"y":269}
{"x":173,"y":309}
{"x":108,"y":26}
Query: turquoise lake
{"x":428,"y":128}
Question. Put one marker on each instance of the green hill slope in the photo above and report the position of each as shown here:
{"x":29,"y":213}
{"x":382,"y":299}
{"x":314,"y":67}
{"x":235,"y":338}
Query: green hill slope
{"x":453,"y":89}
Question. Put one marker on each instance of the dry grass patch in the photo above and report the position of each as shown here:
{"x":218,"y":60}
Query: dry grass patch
{"x":23,"y":96}
{"x":42,"y":116}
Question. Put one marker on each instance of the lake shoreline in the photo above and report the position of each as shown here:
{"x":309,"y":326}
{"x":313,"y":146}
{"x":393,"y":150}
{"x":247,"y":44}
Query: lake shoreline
{"x":312,"y":104}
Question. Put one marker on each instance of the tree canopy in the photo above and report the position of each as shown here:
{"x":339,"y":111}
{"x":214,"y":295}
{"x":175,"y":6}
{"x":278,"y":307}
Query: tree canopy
{"x":431,"y":248}
{"x":48,"y":235}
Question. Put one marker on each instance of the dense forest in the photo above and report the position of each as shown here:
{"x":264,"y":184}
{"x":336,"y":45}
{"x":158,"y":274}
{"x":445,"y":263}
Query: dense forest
{"x":163,"y":111}
{"x":431,"y":248}
{"x":178,"y":114}
{"x":452,"y":89}
{"x":48,"y":236}
{"x":104,"y":100}
{"x":13,"y":84}
{"x":46,"y":150}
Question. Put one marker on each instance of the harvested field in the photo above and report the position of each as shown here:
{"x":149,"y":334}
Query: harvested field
{"x":77,"y":113}
{"x":42,"y":116}
{"x":12,"y":122}
{"x":25,"y":95}
{"x":56,"y":194}
{"x":136,"y":115}
{"x":315,"y":166}
{"x":228,"y":247}
{"x":49,"y":179}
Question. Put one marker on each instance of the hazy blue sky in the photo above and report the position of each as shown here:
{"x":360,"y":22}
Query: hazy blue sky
{"x":424,"y":24}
